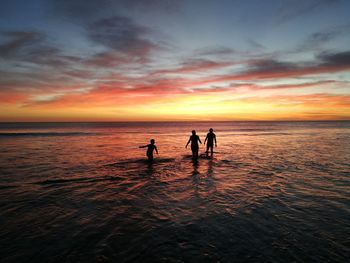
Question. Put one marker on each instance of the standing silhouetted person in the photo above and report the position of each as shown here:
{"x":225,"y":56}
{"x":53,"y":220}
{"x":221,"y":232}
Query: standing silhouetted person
{"x":211,"y":137}
{"x":194,"y":139}
{"x":150,"y":148}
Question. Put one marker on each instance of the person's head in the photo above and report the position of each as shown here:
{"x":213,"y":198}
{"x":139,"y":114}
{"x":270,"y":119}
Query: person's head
{"x":152,"y":141}
{"x":193,"y":132}
{"x":211,"y":130}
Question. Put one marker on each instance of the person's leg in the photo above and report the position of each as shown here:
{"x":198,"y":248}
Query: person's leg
{"x":212,"y":149}
{"x":207,"y":149}
{"x":196,"y":154}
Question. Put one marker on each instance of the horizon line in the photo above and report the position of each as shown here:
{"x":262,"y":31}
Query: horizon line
{"x":165,"y":121}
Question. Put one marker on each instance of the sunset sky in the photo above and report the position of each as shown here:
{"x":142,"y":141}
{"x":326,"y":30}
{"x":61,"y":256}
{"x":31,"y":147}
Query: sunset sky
{"x":144,"y":60}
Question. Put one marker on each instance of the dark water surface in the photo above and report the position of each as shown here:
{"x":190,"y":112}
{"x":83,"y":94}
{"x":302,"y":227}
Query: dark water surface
{"x":83,"y":192}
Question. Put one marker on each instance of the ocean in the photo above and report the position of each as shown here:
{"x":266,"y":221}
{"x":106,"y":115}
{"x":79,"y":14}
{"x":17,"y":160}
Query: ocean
{"x":85,"y":192}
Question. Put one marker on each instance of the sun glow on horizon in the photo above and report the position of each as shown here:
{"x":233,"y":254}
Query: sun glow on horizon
{"x":211,"y":107}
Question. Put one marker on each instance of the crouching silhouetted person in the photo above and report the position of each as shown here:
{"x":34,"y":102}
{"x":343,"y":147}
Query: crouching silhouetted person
{"x":150,"y":148}
{"x":194,"y":139}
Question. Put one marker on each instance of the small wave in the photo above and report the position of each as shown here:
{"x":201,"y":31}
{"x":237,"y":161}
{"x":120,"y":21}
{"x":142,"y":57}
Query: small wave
{"x":43,"y":134}
{"x":187,"y":156}
{"x":255,"y":129}
{"x":7,"y":186}
{"x":141,"y":161}
{"x":266,"y":173}
{"x":79,"y":180}
{"x":254,"y":134}
{"x":269,"y":133}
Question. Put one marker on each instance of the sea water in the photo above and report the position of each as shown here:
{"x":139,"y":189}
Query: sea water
{"x":84,"y":192}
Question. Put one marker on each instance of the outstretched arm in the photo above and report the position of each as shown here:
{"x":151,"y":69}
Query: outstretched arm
{"x":199,"y":140}
{"x":188,"y":142}
{"x":206,"y":138}
{"x":144,"y":146}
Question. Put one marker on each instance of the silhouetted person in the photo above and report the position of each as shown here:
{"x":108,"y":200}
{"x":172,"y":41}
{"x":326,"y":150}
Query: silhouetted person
{"x":194,"y":139}
{"x":150,"y":148}
{"x":211,"y":137}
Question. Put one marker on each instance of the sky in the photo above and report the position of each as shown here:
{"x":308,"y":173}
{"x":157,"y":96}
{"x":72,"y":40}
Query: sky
{"x":164,"y":60}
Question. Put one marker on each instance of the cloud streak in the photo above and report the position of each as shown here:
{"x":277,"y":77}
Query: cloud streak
{"x":274,"y":69}
{"x":195,"y":66}
{"x":293,"y":9}
{"x":121,"y":34}
{"x":17,"y":41}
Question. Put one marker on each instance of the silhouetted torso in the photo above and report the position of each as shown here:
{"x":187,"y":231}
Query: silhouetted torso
{"x":150,"y":149}
{"x":210,"y":137}
{"x":194,"y":141}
